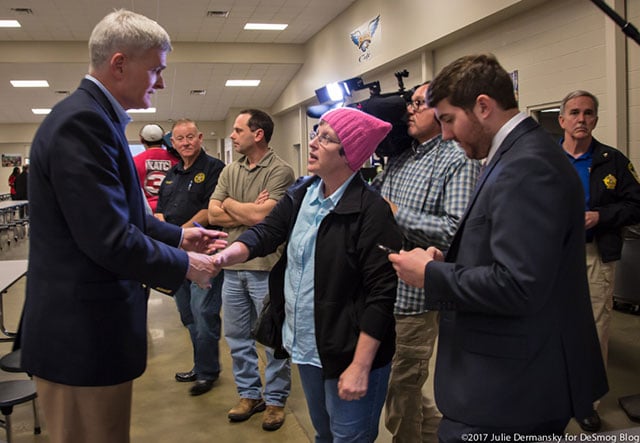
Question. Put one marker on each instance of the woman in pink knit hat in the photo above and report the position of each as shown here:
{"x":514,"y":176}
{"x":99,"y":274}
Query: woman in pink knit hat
{"x":333,"y":289}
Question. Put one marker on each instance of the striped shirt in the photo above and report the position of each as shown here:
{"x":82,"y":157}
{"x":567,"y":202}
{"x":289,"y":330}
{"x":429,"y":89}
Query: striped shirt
{"x":431,"y":184}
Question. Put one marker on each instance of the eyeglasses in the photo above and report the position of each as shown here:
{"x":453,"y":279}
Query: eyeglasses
{"x":189,"y":137}
{"x":415,"y":105}
{"x":323,"y":139}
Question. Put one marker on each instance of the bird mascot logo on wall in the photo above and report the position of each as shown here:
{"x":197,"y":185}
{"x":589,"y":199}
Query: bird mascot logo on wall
{"x":362,"y":38}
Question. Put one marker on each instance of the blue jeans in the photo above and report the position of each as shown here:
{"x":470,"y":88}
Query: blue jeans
{"x":243,"y":293}
{"x":200,"y":312}
{"x":339,"y":421}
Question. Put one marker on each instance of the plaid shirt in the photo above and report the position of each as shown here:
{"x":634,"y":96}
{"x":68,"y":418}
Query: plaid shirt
{"x":431,"y":184}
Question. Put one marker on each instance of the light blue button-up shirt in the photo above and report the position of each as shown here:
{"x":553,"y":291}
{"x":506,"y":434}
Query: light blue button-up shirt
{"x":299,"y":332}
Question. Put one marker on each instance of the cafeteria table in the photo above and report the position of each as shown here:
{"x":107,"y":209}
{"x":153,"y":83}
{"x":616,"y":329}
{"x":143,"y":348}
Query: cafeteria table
{"x":10,"y":272}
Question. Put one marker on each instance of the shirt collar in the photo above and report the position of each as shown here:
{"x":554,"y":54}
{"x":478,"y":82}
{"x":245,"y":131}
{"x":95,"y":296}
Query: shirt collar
{"x":264,"y":161}
{"x":586,"y":155}
{"x":180,"y":166}
{"x":503,"y":133}
{"x":317,"y":198}
{"x":123,"y":117}
{"x":423,"y":148}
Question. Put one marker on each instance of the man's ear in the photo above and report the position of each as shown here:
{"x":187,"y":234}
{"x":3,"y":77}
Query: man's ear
{"x":117,"y":64}
{"x":258,"y":135}
{"x":561,"y":120}
{"x":484,"y":105}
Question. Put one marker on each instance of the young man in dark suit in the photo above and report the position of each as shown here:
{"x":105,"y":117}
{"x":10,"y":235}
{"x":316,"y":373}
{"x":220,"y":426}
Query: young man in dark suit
{"x":518,"y":351}
{"x":93,"y":247}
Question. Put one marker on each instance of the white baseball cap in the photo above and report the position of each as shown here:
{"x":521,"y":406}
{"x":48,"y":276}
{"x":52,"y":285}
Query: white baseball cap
{"x":152,"y":133}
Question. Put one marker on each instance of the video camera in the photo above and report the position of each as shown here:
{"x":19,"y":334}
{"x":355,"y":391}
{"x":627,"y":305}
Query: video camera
{"x":390,"y":107}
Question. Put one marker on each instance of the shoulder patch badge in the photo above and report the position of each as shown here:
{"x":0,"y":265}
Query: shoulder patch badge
{"x":610,"y":181}
{"x":633,"y":171}
{"x":199,"y":178}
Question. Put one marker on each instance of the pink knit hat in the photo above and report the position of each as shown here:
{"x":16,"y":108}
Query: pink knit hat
{"x":359,"y":133}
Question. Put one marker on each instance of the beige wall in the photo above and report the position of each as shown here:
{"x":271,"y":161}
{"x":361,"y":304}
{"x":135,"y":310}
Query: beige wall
{"x":290,"y":139}
{"x":556,"y":46}
{"x":562,"y":46}
{"x":404,"y":29}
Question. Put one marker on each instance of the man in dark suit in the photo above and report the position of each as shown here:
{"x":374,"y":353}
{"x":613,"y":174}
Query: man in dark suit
{"x":93,"y":248}
{"x":518,"y":350}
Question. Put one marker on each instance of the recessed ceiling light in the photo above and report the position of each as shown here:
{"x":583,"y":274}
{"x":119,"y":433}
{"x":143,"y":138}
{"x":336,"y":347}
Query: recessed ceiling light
{"x":551,"y":110}
{"x":22,"y":11}
{"x":30,"y":83}
{"x":142,"y":111}
{"x":242,"y":83}
{"x":9,"y":24}
{"x":41,"y":111}
{"x":220,"y":14}
{"x":265,"y":26}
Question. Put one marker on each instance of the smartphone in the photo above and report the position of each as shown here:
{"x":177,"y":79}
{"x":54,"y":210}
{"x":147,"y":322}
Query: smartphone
{"x":387,"y":249}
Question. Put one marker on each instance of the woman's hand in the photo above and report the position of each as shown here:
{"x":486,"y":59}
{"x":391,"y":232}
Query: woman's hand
{"x":353,"y":382}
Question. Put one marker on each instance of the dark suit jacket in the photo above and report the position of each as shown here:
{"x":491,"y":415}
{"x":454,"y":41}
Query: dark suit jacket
{"x":518,"y":344}
{"x":92,"y":246}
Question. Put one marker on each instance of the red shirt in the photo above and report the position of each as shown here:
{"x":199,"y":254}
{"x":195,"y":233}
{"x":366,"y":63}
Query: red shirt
{"x":152,"y":166}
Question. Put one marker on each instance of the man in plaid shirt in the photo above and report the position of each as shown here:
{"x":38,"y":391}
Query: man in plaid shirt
{"x":428,"y":188}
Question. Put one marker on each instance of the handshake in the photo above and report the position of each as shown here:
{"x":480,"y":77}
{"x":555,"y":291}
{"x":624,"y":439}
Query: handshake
{"x":200,"y":243}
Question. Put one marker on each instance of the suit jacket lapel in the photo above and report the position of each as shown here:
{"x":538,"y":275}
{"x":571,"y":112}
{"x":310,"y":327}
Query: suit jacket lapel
{"x":525,"y":126}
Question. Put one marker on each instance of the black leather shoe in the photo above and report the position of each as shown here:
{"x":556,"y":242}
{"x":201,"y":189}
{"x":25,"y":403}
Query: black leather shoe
{"x":591,"y":423}
{"x":186,"y":376}
{"x":201,"y":386}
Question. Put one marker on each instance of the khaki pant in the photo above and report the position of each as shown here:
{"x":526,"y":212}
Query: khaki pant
{"x":83,"y":414}
{"x":410,"y":415}
{"x":601,"y":278}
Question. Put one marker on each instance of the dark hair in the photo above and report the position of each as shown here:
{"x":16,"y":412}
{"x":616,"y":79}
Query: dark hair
{"x":463,"y":80}
{"x":259,"y":120}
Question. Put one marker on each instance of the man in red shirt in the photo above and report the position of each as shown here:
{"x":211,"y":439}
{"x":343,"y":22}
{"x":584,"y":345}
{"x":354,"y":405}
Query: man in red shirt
{"x":152,"y":164}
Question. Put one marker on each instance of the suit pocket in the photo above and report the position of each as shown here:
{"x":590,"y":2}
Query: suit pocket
{"x":496,"y":345}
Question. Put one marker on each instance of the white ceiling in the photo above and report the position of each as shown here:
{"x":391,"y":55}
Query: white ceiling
{"x":186,"y":21}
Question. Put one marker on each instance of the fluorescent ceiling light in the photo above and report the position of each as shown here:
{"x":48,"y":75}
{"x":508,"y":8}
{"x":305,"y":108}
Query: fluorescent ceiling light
{"x":265,"y":26}
{"x":242,"y":83}
{"x":30,"y":83}
{"x":41,"y":111}
{"x":9,"y":24}
{"x":142,"y":111}
{"x":551,"y":110}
